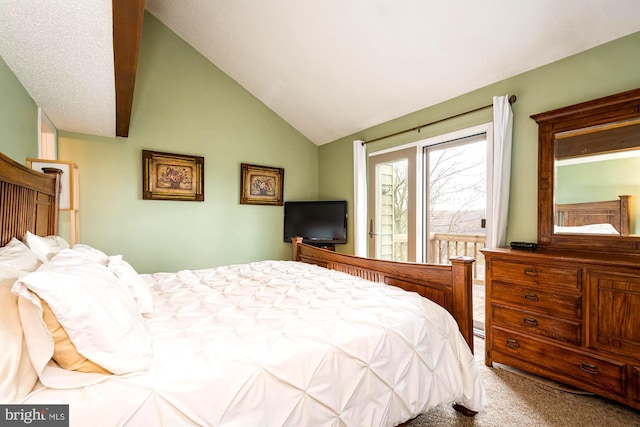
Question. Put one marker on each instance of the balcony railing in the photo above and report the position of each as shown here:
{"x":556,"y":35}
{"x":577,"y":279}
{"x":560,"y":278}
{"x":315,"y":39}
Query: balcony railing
{"x":447,"y":245}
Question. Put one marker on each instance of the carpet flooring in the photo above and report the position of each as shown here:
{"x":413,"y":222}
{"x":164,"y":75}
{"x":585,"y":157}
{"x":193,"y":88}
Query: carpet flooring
{"x":517,"y":400}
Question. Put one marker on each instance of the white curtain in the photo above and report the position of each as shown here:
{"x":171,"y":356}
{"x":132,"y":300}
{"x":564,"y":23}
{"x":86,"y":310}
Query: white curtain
{"x":360,"y":198}
{"x":502,"y":139}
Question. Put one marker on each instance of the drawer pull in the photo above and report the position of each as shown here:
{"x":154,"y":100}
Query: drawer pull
{"x":589,"y":368}
{"x":531,"y":297}
{"x":530,"y":321}
{"x":531,"y":272}
{"x":512,"y":343}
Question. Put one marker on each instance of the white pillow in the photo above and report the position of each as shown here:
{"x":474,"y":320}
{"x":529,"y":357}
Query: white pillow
{"x":91,"y":253}
{"x":16,"y":258}
{"x":45,"y":248}
{"x":100,"y":317}
{"x":130,"y":278}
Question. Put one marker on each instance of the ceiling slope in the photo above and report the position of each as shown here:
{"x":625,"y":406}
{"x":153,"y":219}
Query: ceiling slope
{"x":331,"y":68}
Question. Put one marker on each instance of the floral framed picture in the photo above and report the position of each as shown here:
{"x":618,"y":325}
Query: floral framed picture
{"x":168,"y":176}
{"x":261,"y":185}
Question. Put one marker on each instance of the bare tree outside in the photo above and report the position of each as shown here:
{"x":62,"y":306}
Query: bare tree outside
{"x":457,"y":202}
{"x":457,"y":185}
{"x":456,"y":191}
{"x":400,"y":197}
{"x":456,"y":205}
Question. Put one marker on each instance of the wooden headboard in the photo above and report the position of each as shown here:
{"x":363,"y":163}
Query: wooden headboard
{"x":28,"y":201}
{"x":614,"y":212}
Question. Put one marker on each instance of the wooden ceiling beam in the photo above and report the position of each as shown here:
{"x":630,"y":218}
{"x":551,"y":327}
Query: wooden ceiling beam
{"x":127,"y":30}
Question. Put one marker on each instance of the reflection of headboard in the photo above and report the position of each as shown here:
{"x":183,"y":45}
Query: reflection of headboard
{"x":614,"y":212}
{"x":28,"y":201}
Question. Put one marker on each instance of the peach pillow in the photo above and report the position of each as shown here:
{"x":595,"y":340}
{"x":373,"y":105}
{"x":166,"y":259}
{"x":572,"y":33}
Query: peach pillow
{"x":17,"y":374}
{"x":65,"y":353}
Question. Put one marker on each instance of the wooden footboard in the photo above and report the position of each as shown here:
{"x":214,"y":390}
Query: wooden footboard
{"x":447,"y":285}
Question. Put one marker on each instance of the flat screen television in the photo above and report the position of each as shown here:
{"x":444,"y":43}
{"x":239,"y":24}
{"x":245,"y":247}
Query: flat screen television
{"x":321,"y":222}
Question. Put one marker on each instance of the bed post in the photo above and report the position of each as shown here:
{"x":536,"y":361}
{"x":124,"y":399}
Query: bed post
{"x":295,"y":241}
{"x":55,"y":206}
{"x":624,"y":215}
{"x":462,"y":282}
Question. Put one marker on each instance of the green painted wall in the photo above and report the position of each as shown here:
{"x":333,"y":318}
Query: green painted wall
{"x":18,"y":118}
{"x":601,"y":71}
{"x":184,"y":104}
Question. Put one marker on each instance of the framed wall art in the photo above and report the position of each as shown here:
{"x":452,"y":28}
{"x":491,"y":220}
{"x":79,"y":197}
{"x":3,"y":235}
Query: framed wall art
{"x":168,"y":176}
{"x":261,"y":185}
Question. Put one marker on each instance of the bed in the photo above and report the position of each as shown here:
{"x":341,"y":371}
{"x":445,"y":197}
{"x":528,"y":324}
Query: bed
{"x":602,"y":217}
{"x":324,"y":339}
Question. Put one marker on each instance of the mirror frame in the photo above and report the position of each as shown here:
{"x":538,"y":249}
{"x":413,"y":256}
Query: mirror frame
{"x":614,"y":108}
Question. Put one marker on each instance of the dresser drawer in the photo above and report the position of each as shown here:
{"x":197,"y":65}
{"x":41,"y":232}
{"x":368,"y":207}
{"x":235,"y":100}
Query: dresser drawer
{"x":585,"y":368}
{"x":526,"y":273}
{"x":539,"y":300}
{"x":539,"y":324}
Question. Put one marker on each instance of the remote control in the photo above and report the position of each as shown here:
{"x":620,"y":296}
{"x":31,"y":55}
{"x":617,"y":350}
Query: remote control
{"x":524,"y":245}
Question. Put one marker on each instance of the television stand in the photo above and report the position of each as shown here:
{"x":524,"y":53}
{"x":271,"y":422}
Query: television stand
{"x":328,"y":246}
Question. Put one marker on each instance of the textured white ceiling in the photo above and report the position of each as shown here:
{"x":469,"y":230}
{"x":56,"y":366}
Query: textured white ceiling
{"x":62,"y":53}
{"x":329,"y":68}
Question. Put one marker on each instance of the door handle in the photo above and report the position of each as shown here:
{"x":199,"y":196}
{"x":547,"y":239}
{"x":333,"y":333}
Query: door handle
{"x":371,"y":233}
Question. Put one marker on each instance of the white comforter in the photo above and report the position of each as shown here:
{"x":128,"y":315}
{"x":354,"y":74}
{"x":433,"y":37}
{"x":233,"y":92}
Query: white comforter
{"x":279,"y":343}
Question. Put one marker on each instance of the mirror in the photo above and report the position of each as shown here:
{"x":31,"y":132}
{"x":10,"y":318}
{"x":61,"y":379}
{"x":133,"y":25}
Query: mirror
{"x":596,"y":176}
{"x":588,"y":180}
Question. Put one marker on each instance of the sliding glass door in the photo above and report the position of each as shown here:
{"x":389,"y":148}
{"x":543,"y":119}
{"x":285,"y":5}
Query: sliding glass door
{"x":456,"y":198}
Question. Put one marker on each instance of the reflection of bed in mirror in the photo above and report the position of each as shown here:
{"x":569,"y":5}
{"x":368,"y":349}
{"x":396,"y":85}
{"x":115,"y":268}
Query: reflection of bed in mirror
{"x":606,"y":217}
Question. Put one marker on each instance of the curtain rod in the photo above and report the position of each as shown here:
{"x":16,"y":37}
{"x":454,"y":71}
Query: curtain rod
{"x":512,"y":100}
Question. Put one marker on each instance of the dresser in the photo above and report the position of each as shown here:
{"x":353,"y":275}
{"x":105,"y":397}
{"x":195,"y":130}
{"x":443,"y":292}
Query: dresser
{"x":570,"y":316}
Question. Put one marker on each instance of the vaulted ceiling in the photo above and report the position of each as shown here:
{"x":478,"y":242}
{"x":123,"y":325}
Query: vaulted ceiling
{"x":329,"y":68}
